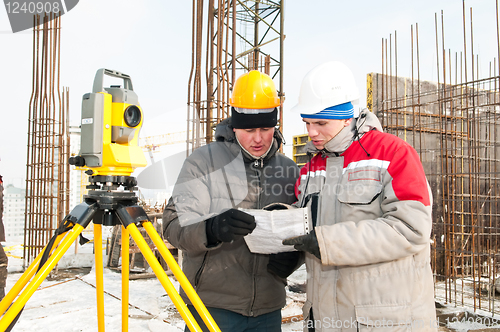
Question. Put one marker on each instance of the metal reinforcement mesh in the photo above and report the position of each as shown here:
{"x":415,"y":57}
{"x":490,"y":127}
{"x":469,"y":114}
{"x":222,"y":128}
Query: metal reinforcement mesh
{"x":47,"y":170}
{"x":239,"y":36}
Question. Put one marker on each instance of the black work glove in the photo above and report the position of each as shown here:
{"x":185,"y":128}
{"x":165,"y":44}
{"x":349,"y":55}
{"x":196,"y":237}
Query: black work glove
{"x":308,"y":242}
{"x":277,"y":206}
{"x":229,"y":225}
{"x":284,"y":263}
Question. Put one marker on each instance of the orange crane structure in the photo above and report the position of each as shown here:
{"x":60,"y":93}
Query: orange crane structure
{"x":152,"y":144}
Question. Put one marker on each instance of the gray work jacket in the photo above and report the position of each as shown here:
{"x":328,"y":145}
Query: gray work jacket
{"x":213,"y":178}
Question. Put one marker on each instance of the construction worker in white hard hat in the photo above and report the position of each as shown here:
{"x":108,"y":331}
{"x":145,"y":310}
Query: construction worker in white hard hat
{"x":242,"y":291}
{"x":368,"y":257}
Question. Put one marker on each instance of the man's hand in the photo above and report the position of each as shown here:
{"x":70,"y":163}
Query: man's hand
{"x":308,"y":242}
{"x":229,"y":225}
{"x":284,"y":263}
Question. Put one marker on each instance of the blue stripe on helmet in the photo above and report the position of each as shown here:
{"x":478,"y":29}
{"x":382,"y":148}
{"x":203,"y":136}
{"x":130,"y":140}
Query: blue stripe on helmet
{"x":337,"y":112}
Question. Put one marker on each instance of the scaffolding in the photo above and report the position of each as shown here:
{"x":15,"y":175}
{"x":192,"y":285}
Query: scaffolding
{"x":454,"y":124}
{"x":47,"y":172}
{"x":239,"y":36}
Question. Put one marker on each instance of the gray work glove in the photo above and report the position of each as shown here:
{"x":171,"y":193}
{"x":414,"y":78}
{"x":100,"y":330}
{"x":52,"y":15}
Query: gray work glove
{"x":308,"y":243}
{"x":229,"y":225}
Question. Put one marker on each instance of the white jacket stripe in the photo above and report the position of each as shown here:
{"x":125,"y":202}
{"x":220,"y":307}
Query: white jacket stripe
{"x":383,"y":164}
{"x":313,"y":174}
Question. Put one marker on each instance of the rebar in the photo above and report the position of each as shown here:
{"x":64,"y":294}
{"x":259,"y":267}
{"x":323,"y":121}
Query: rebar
{"x":47,"y":177}
{"x":238,"y":33}
{"x":455,"y":128}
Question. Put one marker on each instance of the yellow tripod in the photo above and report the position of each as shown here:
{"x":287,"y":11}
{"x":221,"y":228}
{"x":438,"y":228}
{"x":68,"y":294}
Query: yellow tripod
{"x":106,"y":206}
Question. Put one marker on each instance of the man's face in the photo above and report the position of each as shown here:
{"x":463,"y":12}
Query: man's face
{"x":255,"y":140}
{"x":321,"y":131}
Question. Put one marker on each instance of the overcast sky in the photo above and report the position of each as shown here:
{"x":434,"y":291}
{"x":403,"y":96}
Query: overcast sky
{"x":151,"y":42}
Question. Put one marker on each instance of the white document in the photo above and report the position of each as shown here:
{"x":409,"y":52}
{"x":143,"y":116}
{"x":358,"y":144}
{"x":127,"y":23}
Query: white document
{"x":275,"y":226}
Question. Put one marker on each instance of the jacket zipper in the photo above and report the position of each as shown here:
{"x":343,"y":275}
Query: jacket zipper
{"x":255,"y":265}
{"x":200,"y":270}
{"x":337,"y":209}
{"x":254,"y":285}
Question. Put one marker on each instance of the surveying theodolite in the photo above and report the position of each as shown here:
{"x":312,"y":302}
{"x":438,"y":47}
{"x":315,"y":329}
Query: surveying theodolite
{"x":111,"y":120}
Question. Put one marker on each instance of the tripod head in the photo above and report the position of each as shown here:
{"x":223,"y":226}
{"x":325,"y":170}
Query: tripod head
{"x":110,"y":192}
{"x":112,"y":182}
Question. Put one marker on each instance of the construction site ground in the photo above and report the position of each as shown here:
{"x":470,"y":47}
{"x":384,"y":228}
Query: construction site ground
{"x":66,"y":300}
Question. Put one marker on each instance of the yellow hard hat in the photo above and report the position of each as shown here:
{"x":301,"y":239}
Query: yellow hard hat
{"x":254,"y":90}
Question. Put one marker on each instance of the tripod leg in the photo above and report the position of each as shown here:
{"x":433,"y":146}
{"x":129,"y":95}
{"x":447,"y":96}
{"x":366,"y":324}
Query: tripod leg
{"x":99,"y":276}
{"x":25,"y":278}
{"x":125,"y":278}
{"x":181,"y":277}
{"x":163,"y":278}
{"x":40,"y":277}
{"x":78,"y":218}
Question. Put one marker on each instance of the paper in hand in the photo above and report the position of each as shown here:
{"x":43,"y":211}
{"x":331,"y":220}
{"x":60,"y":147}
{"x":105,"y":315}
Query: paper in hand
{"x":275,"y":226}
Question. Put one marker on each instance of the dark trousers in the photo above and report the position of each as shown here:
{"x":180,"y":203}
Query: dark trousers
{"x":229,"y":321}
{"x":3,"y":271}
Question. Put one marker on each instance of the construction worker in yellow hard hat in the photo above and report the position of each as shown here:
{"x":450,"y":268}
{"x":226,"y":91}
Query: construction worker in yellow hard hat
{"x":242,"y":290}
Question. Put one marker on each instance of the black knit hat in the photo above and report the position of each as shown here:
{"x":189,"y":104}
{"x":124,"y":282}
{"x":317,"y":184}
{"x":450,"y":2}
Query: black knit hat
{"x":244,"y":120}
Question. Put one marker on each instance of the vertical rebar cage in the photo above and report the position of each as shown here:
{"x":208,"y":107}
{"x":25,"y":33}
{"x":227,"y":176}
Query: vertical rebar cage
{"x":238,"y":36}
{"x":47,"y":172}
{"x":454,"y":124}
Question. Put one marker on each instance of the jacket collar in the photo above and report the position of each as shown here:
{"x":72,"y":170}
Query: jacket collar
{"x":364,"y":123}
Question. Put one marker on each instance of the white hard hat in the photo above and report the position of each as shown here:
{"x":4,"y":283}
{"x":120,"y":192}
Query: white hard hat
{"x":326,"y":85}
